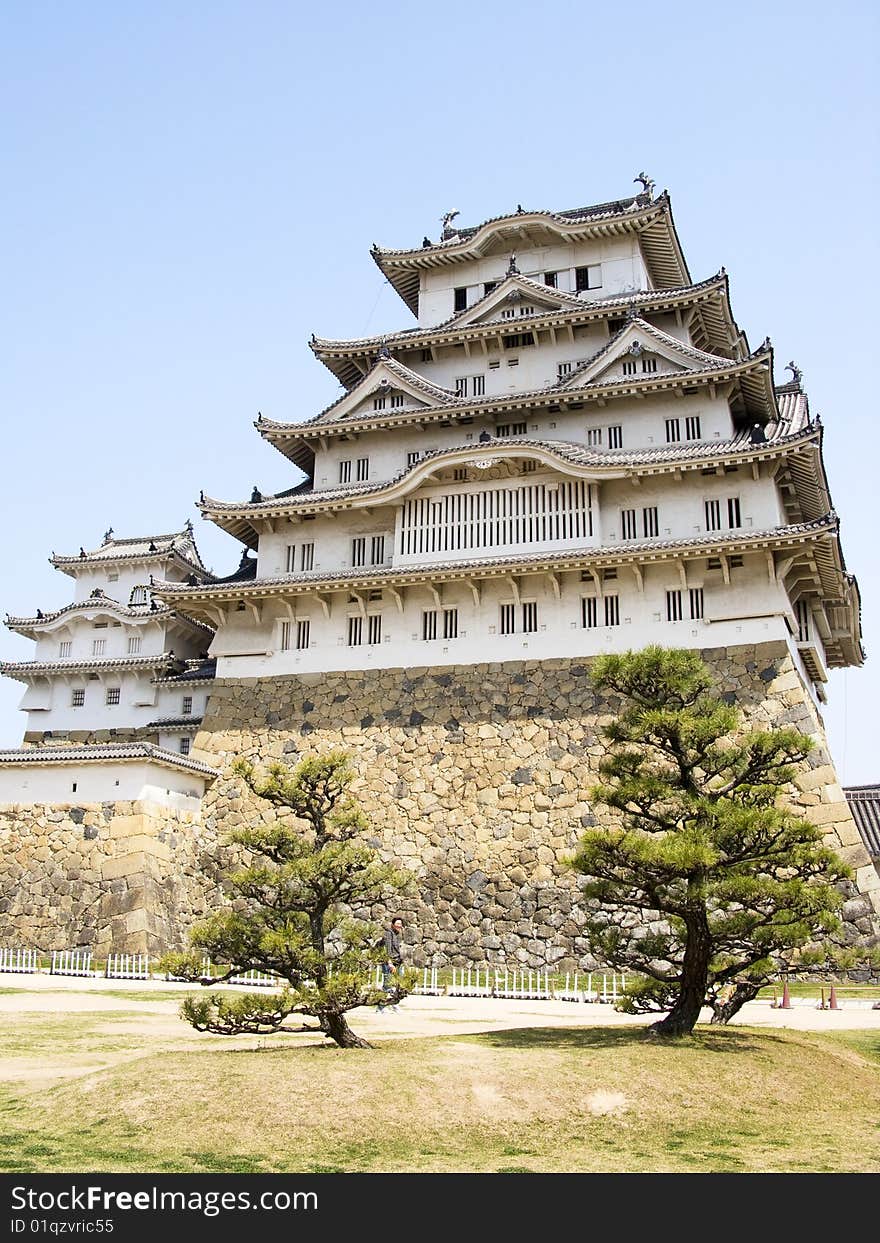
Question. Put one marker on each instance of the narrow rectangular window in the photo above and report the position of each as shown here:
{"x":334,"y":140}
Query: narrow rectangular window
{"x":563,"y":369}
{"x":355,"y":631}
{"x":713,"y":515}
{"x":307,"y":557}
{"x":529,"y":466}
{"x":66,"y":647}
{"x":185,"y":744}
{"x":303,"y":634}
{"x":733,"y":516}
{"x":550,"y":279}
{"x":802,"y":611}
{"x":285,"y":636}
{"x":113,"y":696}
{"x":99,"y":647}
{"x":629,"y":366}
{"x":374,"y":628}
{"x":345,"y":471}
{"x":363,"y":469}
{"x":508,"y":618}
{"x":594,"y":437}
{"x":460,"y":472}
{"x":359,"y":551}
{"x":461,"y":386}
{"x":673,"y":431}
{"x":77,"y":698}
{"x":291,"y":558}
{"x":695,"y":595}
{"x":518,"y":429}
{"x":650,"y":526}
{"x":692,"y":429}
{"x":589,"y":277}
{"x":530,"y":617}
{"x":450,"y":623}
{"x":673,"y":606}
{"x":612,"y":610}
{"x":396,"y":401}
{"x":589,"y":617}
{"x":649,"y":365}
{"x":429,"y":624}
{"x":478,"y":385}
{"x":187,"y":705}
{"x":414,"y":456}
{"x":377,"y":550}
{"x":378,"y":403}
{"x":459,"y":298}
{"x":503,"y":429}
{"x":627,"y":524}
{"x":615,"y":437}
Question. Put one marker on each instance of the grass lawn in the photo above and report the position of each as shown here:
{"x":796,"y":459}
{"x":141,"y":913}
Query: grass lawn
{"x":130,"y":1090}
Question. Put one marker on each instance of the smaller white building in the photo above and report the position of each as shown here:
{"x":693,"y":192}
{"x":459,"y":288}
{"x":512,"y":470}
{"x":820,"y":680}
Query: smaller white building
{"x":99,"y":661}
{"x":109,"y":773}
{"x":117,"y":687}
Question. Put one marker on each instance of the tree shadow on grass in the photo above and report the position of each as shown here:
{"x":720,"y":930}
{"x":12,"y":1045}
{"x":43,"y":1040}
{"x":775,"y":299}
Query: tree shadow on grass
{"x":706,"y":1040}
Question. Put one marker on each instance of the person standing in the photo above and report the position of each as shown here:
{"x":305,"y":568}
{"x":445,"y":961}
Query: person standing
{"x":392,"y":964}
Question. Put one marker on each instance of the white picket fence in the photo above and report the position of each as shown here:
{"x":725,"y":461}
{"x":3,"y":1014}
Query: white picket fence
{"x":430,"y":986}
{"x":127,"y":967}
{"x":71,"y":962}
{"x":25,"y":962}
{"x":256,"y":979}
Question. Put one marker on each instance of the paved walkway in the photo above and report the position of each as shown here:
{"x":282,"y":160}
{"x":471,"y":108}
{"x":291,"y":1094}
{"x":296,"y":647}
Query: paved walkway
{"x":417,"y":1016}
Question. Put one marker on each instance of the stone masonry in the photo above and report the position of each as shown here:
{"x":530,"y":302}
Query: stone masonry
{"x":475,"y":778}
{"x":126,"y":877}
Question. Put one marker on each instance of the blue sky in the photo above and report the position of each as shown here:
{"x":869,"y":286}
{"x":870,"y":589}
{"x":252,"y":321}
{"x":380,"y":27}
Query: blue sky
{"x":191,"y":190}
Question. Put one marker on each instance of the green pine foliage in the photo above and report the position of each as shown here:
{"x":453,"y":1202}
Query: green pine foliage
{"x":706,"y":878}
{"x":288,"y":916}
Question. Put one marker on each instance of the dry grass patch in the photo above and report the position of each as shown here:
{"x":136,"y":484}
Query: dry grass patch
{"x":595,"y":1099}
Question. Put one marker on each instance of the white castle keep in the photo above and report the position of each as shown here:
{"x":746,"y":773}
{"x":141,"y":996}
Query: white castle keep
{"x":575,"y":450}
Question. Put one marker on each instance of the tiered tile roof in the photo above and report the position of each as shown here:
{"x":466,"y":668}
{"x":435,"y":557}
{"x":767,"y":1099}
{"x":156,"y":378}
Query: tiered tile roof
{"x":103,"y":753}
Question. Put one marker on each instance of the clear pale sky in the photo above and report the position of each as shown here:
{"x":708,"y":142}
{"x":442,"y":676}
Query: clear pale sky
{"x":191,"y":189}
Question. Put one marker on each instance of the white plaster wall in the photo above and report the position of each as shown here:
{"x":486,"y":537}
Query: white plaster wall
{"x":91,"y":575}
{"x":750,"y":609}
{"x":623,"y":270}
{"x":169,"y":699}
{"x":101,"y":782}
{"x":643,"y":423}
{"x":49,"y":707}
{"x":681,"y":508}
{"x":80,"y":631}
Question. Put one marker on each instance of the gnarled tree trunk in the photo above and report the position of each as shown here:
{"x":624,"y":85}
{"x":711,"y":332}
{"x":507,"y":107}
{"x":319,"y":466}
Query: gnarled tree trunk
{"x":682,"y":1018}
{"x":337,"y":1029}
{"x":723,"y":1011}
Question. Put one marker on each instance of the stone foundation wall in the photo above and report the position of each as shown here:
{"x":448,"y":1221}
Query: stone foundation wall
{"x":125,"y":877}
{"x":474,"y":778}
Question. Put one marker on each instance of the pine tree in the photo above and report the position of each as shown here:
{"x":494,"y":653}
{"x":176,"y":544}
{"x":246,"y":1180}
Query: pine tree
{"x":287,"y":917}
{"x":707,"y":877}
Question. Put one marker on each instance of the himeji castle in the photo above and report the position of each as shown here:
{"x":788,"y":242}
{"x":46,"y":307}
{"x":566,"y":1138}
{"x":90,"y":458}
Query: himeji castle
{"x":574,"y":450}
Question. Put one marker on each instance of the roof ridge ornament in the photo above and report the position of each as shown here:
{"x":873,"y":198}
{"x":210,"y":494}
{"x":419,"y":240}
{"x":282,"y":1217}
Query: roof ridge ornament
{"x":108,"y":535}
{"x":796,"y":374}
{"x":446,"y":220}
{"x":648,"y":184}
{"x":512,"y":269}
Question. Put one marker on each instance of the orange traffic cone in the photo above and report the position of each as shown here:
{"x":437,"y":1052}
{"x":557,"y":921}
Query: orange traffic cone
{"x":785,"y":1004}
{"x":832,"y":1000}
